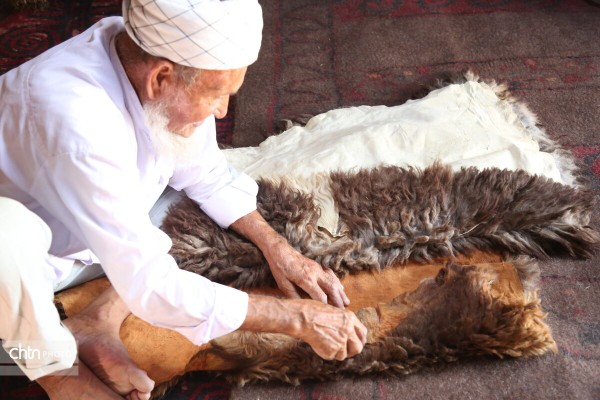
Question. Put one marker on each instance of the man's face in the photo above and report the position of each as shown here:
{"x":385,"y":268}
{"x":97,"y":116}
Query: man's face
{"x":174,"y":116}
{"x":187,"y":108}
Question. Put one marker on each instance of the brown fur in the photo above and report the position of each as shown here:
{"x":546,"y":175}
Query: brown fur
{"x":485,"y":303}
{"x":392,"y":215}
{"x":458,"y":314}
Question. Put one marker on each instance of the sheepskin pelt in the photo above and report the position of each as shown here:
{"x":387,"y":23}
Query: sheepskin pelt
{"x":456,"y":315}
{"x":570,"y":168}
{"x":389,"y":215}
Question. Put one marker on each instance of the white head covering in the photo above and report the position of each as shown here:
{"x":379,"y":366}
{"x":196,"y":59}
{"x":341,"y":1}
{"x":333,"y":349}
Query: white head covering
{"x":206,"y":34}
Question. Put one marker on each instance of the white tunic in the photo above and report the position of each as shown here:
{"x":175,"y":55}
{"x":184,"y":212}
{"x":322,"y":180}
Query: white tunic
{"x":75,"y":150}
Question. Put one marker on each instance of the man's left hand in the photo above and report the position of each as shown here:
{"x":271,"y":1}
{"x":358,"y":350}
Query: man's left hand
{"x":293,"y":271}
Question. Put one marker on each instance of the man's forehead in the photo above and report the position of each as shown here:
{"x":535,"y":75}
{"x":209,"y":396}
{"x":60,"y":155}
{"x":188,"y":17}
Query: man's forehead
{"x":225,"y":80}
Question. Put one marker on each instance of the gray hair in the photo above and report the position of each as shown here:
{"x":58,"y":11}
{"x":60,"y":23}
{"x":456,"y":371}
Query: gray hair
{"x":132,"y":54}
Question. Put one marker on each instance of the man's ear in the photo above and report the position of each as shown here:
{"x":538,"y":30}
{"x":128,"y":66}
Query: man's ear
{"x":160,"y":77}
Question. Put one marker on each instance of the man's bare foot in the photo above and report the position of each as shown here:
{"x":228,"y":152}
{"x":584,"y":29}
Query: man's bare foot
{"x":81,"y":385}
{"x":96,"y":330}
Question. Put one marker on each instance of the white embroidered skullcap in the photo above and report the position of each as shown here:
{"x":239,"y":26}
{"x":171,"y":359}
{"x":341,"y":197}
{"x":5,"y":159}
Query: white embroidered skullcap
{"x":206,"y":34}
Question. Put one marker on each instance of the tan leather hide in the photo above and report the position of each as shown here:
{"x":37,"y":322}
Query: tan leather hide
{"x":165,"y":354}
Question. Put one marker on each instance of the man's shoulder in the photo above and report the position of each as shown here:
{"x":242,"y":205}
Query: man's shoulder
{"x":80,"y":59}
{"x":77,"y":85}
{"x":83,"y":58}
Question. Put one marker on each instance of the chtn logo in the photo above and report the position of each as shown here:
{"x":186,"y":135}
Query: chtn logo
{"x":24,"y":353}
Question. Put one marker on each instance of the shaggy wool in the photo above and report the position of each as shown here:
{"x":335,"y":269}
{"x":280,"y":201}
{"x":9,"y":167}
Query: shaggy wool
{"x":456,"y":315}
{"x":389,"y":215}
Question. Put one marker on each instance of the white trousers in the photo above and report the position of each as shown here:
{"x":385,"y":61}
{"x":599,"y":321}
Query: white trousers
{"x":30,"y":328}
{"x":31,"y":331}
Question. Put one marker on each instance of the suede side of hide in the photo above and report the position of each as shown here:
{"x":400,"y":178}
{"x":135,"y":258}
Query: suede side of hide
{"x":457,"y":315}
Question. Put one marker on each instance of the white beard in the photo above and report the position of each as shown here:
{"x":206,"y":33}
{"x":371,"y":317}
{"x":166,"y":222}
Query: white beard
{"x":179,"y":149}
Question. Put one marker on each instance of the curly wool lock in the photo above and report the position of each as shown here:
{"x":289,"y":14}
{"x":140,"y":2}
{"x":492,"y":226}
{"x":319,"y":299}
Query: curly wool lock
{"x":390,"y":215}
{"x":457,"y":315}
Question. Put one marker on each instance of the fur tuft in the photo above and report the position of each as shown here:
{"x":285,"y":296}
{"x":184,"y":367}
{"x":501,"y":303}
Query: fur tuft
{"x":391,"y":215}
{"x":455,"y":316}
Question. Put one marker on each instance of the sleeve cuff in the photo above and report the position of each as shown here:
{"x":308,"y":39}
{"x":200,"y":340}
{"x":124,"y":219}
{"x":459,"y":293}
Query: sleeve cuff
{"x":233,"y":201}
{"x":228,"y":314}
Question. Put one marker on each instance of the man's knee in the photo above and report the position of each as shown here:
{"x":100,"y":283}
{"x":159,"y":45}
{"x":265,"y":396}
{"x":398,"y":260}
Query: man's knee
{"x":21,"y":228}
{"x":24,"y":243}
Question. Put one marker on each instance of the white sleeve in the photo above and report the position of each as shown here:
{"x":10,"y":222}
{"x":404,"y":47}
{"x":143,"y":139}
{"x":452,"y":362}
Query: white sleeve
{"x":223,"y":194}
{"x":93,"y":187}
{"x":98,"y":202}
{"x":231,"y":201}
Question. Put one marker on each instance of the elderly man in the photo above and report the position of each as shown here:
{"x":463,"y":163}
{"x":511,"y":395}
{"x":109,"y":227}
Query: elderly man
{"x":92,"y":132}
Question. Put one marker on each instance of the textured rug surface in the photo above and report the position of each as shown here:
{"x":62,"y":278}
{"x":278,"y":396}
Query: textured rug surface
{"x":322,"y":54}
{"x":390,"y":216}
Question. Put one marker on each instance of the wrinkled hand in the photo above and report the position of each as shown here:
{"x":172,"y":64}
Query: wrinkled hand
{"x":332,"y":333}
{"x":292,"y":270}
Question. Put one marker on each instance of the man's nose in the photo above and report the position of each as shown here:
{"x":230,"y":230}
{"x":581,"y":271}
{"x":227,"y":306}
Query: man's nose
{"x":221,"y":108}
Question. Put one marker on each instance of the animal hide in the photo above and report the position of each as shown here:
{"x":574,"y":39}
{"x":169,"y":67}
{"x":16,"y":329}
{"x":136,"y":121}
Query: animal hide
{"x":390,"y":215}
{"x":416,"y":315}
{"x":456,"y":315}
{"x":468,"y":124}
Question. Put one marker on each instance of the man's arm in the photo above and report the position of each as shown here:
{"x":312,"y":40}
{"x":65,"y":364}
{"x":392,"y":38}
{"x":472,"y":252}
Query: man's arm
{"x":291,"y":269}
{"x":331,"y":332}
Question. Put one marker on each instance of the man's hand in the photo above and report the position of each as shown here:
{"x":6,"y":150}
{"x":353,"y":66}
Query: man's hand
{"x":331,"y":332}
{"x":292,"y":271}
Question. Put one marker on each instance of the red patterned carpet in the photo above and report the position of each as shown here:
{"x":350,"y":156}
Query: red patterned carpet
{"x":323,"y":54}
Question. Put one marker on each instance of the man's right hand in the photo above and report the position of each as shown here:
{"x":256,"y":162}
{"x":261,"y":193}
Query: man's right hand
{"x":332,"y":333}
